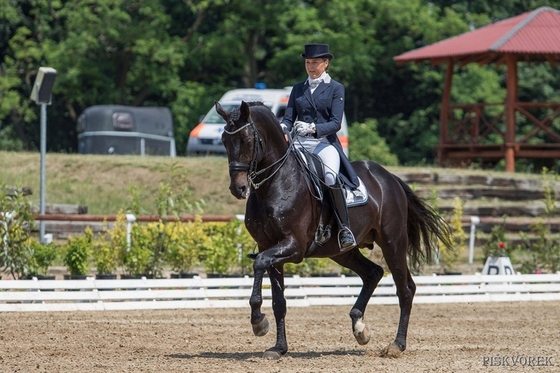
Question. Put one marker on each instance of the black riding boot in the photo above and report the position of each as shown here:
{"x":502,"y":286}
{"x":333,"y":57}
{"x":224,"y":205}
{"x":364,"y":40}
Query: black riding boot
{"x":346,"y":239}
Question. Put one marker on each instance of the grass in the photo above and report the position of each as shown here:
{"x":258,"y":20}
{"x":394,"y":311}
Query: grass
{"x":102,"y":182}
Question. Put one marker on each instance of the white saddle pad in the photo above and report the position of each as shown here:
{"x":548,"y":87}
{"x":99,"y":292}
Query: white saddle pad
{"x":356,"y":197}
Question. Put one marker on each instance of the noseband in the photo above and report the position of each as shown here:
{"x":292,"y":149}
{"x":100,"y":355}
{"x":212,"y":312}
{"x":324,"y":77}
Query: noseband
{"x":240,"y":166}
{"x":251,"y":167}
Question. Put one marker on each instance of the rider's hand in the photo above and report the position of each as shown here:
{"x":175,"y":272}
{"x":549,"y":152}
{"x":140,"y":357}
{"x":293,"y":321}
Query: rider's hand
{"x":284,"y":127}
{"x":303,"y":128}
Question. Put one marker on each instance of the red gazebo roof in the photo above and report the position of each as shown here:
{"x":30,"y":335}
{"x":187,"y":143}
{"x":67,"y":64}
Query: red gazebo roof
{"x":534,"y":36}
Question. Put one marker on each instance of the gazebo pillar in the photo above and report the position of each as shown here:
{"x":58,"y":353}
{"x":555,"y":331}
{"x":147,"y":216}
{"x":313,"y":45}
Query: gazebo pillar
{"x":444,"y":112}
{"x":511,"y":98}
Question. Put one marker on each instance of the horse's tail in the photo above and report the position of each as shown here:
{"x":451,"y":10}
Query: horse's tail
{"x":426,"y":229}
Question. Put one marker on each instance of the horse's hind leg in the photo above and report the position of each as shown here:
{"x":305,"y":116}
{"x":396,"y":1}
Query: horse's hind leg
{"x":395,"y":257}
{"x":371,"y":274}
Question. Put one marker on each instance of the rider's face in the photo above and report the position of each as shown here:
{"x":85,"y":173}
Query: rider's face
{"x":316,"y":66}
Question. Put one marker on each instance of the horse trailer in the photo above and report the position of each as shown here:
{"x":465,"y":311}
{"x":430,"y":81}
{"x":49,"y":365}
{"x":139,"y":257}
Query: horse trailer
{"x":117,"y":129}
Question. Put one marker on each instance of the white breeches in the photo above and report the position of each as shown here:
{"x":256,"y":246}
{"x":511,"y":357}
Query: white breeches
{"x":328,"y":154}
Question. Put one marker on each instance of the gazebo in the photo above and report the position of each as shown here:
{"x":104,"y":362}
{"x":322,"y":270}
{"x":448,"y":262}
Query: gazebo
{"x":464,"y":129}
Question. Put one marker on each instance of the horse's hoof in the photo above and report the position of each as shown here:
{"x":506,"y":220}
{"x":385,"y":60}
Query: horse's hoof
{"x":272,"y":355}
{"x":261,"y":328}
{"x":361,"y":333}
{"x":393,"y":350}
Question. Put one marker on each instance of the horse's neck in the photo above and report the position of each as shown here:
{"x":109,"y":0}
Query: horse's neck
{"x":285,"y":177}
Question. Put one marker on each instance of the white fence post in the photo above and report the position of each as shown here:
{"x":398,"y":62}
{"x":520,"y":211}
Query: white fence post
{"x":130,"y":218}
{"x":474,"y":221}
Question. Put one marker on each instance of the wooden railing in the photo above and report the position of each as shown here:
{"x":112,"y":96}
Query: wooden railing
{"x":478,"y":131}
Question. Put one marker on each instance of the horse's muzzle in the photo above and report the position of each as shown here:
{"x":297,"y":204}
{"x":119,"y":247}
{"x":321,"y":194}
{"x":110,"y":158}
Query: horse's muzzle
{"x":239,"y":191}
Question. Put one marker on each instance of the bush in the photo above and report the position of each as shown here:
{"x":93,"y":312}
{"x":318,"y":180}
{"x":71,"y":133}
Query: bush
{"x":43,"y":256}
{"x":77,"y":253}
{"x":105,"y":257}
{"x":16,"y":223}
{"x":227,"y":248}
{"x":185,"y":243}
{"x":543,"y":252}
{"x":450,"y":257}
{"x":136,"y":259}
{"x":309,"y":267}
{"x":496,"y":244}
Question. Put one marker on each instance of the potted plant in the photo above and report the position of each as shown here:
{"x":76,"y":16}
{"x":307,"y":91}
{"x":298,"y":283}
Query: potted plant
{"x":76,"y":255}
{"x":137,"y":256}
{"x":43,"y":256}
{"x":227,"y":248}
{"x":184,"y":244}
{"x":105,"y":258}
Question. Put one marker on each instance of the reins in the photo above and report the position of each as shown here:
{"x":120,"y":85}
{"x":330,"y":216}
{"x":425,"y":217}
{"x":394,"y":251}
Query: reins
{"x":251,"y":168}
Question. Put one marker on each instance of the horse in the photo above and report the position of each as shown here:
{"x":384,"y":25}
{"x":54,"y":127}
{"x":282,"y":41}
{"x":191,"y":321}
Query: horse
{"x":283,"y":213}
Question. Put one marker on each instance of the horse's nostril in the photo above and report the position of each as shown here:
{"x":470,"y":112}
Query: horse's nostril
{"x":243,"y":191}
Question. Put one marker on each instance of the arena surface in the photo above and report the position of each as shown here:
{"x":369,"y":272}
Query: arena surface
{"x":473,"y":337}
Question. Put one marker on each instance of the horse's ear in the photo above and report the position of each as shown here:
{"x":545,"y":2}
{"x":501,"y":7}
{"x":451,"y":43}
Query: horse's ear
{"x":220,"y":110}
{"x":245,"y":112}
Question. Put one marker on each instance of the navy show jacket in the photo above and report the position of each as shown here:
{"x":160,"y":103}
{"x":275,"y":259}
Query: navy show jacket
{"x":325,"y":108}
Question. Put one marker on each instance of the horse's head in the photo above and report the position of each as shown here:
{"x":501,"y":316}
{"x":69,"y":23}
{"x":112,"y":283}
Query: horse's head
{"x":240,"y":139}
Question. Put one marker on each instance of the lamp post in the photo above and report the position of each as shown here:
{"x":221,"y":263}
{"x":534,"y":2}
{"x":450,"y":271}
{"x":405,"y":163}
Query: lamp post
{"x":41,"y":94}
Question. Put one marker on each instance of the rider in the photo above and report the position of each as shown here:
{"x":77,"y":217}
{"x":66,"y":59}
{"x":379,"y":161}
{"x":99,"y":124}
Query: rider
{"x":314,"y":111}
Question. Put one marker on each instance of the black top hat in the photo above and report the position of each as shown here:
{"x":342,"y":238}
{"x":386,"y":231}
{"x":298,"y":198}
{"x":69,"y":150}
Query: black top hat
{"x":317,"y":51}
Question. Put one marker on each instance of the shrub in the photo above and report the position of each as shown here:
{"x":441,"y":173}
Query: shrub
{"x":77,"y":253}
{"x":309,"y":267}
{"x":496,"y":244}
{"x":450,"y":257}
{"x":16,"y":222}
{"x":43,"y":256}
{"x":105,"y":257}
{"x":227,"y":247}
{"x":543,"y":251}
{"x":136,"y":259}
{"x":185,"y":243}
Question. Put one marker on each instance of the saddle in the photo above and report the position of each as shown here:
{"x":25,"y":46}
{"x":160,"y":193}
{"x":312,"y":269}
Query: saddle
{"x":313,"y":166}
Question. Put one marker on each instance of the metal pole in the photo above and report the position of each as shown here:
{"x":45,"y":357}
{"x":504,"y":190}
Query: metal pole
{"x":43,"y":174}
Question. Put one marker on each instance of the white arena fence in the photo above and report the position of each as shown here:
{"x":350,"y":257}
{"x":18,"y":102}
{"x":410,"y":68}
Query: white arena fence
{"x":198,"y":293}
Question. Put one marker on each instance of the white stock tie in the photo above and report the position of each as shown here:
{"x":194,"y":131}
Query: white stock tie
{"x":313,"y":83}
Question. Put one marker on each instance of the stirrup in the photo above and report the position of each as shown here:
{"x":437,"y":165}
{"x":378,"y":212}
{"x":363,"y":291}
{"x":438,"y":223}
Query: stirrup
{"x":347,"y":244}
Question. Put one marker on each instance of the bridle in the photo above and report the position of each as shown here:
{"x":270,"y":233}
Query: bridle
{"x":251,"y":168}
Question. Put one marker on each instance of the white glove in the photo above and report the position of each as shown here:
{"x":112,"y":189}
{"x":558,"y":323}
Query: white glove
{"x":284,"y":127}
{"x":303,"y":128}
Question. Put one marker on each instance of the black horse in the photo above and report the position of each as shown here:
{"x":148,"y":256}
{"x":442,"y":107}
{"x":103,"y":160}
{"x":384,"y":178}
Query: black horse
{"x":283,"y":213}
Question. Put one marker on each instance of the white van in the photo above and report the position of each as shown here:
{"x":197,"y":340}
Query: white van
{"x":206,"y":138}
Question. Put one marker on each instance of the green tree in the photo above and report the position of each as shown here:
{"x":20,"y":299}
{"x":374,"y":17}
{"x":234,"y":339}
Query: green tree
{"x":185,"y":54}
{"x":365,"y":143}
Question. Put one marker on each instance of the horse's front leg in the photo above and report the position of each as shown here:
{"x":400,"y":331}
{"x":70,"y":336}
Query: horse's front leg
{"x":276,"y":274}
{"x":272,"y":260}
{"x":258,"y":319}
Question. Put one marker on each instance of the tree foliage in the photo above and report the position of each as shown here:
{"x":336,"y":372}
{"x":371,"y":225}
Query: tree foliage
{"x":184,"y":54}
